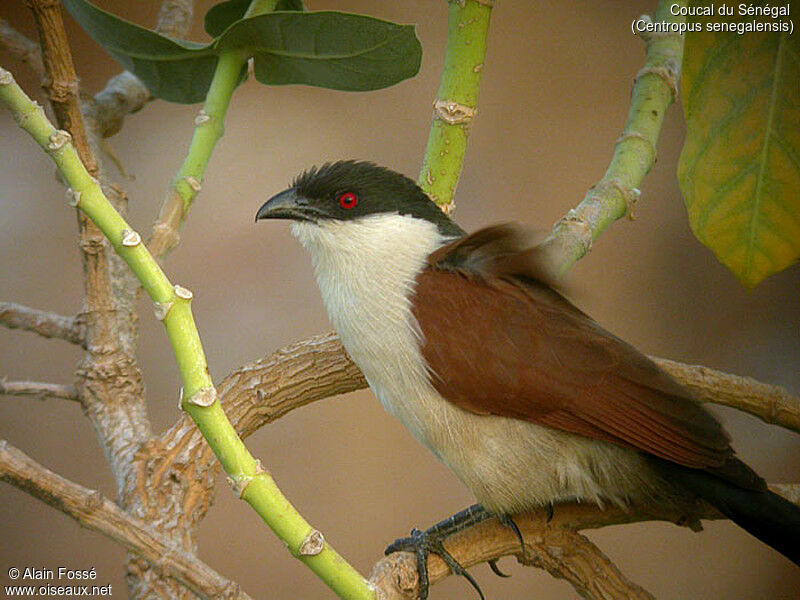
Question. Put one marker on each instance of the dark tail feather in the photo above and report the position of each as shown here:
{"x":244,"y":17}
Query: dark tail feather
{"x":762,"y":513}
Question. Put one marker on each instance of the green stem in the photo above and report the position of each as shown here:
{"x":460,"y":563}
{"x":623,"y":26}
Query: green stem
{"x":612,"y":198}
{"x":199,"y":395}
{"x":209,"y":128}
{"x":455,"y":106}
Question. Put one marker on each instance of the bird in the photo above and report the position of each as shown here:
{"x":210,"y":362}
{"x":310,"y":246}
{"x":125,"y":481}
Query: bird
{"x":467,"y":340}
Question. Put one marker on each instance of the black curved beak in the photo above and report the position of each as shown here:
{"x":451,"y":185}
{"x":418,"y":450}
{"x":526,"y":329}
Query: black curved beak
{"x":286,"y":205}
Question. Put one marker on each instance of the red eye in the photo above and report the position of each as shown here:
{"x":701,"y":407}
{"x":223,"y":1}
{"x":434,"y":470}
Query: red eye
{"x":348,"y":200}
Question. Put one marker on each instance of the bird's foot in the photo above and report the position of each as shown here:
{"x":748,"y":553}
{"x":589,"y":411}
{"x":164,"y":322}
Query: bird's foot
{"x":422,"y":543}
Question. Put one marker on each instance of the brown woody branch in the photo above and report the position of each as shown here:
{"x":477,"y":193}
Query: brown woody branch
{"x":562,"y":552}
{"x":61,"y":81}
{"x":301,"y":373}
{"x":566,"y":554}
{"x":46,"y":324}
{"x":771,"y":403}
{"x":261,"y":392}
{"x":553,"y":545}
{"x":38,"y":389}
{"x":97,"y":513}
{"x":108,"y":381}
{"x":124,"y":94}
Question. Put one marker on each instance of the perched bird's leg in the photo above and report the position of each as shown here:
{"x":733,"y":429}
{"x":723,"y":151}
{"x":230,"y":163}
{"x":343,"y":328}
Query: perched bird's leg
{"x":422,"y":543}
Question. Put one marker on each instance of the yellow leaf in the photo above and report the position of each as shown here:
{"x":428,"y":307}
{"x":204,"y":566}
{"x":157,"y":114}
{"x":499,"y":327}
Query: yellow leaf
{"x":739,"y":170}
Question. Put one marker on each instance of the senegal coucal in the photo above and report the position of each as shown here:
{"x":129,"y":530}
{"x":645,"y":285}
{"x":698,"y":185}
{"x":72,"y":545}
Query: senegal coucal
{"x":526,"y":398}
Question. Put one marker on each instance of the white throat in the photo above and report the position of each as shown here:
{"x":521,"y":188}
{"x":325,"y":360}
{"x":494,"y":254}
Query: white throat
{"x":366,"y":271}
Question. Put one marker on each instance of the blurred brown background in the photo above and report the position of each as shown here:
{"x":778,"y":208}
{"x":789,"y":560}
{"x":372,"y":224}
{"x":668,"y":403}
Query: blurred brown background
{"x":554,"y":98}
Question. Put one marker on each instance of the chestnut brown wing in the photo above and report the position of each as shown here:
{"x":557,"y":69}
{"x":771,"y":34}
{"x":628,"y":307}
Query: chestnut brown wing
{"x":512,"y":346}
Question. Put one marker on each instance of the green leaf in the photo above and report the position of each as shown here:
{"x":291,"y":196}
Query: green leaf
{"x":174,"y":70}
{"x":327,"y":49}
{"x":220,"y":16}
{"x":739,"y":170}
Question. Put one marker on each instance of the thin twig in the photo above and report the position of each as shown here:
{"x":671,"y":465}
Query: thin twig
{"x":209,"y":128}
{"x":38,"y":389}
{"x":97,"y":513}
{"x":46,"y":324}
{"x":21,"y":47}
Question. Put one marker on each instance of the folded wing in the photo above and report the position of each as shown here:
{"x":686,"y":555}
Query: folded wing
{"x":500,"y":340}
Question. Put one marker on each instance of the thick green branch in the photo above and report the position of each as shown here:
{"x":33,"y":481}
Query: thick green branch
{"x":456,"y":104}
{"x":248,"y":477}
{"x":655,"y":88}
{"x":209,"y":127}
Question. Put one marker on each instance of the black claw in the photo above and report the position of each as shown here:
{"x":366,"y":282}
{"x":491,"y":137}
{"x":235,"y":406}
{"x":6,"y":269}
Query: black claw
{"x":496,"y":570}
{"x":509,"y":522}
{"x":474,"y":583}
{"x":549,"y":511}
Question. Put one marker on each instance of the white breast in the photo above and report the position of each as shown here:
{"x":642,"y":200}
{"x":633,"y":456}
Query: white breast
{"x":366,"y":271}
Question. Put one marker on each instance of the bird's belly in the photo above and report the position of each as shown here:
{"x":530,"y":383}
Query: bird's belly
{"x":512,"y":465}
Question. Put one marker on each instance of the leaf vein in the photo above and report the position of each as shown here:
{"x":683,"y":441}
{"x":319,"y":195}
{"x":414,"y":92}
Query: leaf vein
{"x":764,"y":158}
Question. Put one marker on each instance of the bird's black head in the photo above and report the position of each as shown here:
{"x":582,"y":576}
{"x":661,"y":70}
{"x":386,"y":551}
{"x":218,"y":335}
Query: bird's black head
{"x":350,"y":190}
